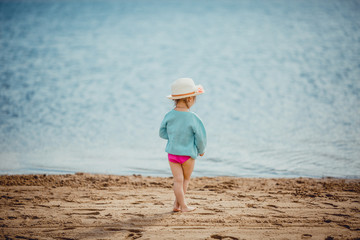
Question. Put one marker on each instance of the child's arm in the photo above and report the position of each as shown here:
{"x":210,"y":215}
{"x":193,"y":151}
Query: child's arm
{"x":163,"y":131}
{"x":200,"y":137}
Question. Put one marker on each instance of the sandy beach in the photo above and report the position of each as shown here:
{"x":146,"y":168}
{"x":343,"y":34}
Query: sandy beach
{"x":87,"y":206}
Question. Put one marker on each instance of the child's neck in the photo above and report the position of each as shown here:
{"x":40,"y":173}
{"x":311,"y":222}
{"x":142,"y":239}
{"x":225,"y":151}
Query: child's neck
{"x":182,"y":108}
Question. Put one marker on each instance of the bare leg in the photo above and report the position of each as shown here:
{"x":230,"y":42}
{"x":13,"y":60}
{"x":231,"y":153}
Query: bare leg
{"x":188,"y":168}
{"x":182,"y":174}
{"x":178,"y":187}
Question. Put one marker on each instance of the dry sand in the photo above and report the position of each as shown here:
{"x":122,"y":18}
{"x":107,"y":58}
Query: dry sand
{"x":85,"y":206}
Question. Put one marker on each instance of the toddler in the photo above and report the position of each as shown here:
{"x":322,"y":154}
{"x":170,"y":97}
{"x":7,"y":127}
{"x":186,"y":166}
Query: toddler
{"x":186,"y":137}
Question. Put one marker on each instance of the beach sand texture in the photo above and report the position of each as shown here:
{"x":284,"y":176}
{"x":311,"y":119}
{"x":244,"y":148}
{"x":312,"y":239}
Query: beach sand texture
{"x":88,"y":206}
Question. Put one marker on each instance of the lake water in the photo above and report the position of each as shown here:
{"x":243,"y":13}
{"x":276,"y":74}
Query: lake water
{"x":83,"y":85}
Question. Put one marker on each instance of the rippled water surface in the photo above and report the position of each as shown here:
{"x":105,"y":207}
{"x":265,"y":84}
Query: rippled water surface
{"x":83,"y":85}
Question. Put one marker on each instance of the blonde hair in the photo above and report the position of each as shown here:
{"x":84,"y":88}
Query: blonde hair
{"x":176,"y":101}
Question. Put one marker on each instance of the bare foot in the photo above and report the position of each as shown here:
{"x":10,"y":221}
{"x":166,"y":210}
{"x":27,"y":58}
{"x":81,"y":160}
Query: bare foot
{"x":188,"y":209}
{"x":176,"y":207}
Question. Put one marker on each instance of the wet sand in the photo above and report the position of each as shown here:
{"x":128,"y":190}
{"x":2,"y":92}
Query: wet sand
{"x":87,"y":206}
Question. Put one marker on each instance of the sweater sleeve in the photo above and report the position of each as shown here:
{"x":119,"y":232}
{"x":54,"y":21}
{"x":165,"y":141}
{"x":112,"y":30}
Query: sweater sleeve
{"x":200,"y":136}
{"x":163,"y":130}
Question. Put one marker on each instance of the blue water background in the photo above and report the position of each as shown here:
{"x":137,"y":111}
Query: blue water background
{"x":83,"y":85}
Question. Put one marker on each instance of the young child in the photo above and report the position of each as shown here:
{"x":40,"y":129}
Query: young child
{"x":186,"y":137}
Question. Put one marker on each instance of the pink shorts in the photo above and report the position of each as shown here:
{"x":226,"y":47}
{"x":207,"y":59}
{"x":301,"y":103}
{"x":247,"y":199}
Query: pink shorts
{"x":178,"y":159}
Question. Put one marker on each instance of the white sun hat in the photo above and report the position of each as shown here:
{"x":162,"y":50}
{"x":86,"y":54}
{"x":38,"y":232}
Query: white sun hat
{"x":185,"y":87}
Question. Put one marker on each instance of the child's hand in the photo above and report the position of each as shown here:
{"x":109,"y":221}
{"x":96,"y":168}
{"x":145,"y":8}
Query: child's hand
{"x":201,"y":154}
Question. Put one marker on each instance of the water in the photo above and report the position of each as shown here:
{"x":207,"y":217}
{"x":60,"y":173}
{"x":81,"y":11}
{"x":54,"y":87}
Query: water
{"x":83,"y":85}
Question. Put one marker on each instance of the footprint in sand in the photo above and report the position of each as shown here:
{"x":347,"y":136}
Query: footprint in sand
{"x":134,"y":233}
{"x":331,"y":204}
{"x":23,"y":237}
{"x":306,"y":236}
{"x":69,"y":228}
{"x":217,"y":236}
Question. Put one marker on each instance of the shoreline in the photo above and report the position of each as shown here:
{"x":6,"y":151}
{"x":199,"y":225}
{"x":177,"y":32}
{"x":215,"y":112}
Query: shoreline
{"x":98,"y":206}
{"x":167,"y":175}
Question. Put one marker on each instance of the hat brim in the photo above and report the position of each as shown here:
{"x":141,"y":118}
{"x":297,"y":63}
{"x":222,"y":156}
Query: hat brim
{"x":188,"y":95}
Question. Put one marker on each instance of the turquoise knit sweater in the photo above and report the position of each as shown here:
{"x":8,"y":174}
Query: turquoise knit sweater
{"x":185,"y":133}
